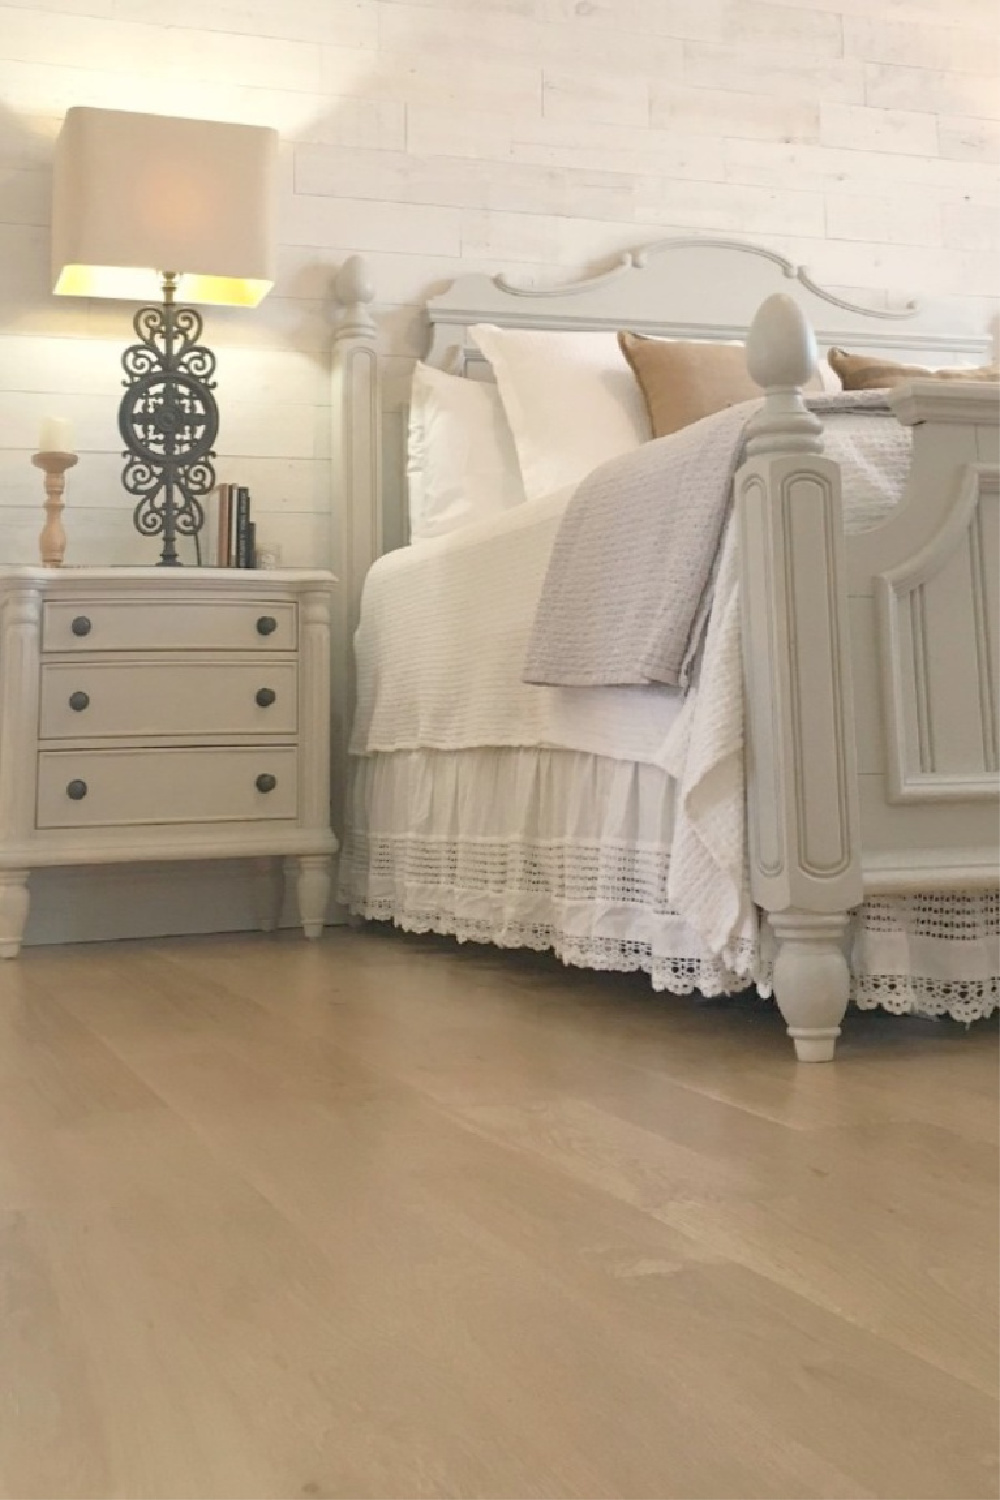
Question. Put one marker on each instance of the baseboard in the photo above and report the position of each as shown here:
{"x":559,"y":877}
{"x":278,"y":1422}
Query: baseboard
{"x":108,"y":902}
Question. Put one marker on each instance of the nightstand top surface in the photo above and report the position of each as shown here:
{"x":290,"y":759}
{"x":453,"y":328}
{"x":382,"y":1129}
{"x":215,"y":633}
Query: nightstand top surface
{"x":172,"y":577}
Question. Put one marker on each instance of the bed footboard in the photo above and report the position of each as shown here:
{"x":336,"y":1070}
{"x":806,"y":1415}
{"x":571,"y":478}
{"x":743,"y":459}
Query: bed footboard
{"x":924,"y":601}
{"x":869,"y":670}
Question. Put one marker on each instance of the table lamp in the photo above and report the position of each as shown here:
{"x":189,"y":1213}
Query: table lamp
{"x":151,"y":206}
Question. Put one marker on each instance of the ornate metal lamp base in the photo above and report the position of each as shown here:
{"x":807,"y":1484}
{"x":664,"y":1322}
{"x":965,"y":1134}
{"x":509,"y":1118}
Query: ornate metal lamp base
{"x":168,"y":420}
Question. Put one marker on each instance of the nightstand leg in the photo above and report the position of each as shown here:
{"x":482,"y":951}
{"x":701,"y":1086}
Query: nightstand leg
{"x":269,"y":884}
{"x":314,"y":892}
{"x":14,"y":901}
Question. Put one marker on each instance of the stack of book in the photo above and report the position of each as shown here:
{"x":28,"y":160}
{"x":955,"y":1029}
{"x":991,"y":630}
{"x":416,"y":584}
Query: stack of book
{"x":235,"y":533}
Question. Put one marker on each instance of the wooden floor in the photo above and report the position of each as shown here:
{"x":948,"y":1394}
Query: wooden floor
{"x":378,"y":1217}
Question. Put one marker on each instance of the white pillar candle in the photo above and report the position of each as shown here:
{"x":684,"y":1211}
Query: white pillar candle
{"x":56,"y":436}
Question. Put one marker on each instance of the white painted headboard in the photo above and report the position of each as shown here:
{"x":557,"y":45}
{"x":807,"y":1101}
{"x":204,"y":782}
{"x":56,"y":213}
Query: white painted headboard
{"x":676,"y":288}
{"x":699,"y":289}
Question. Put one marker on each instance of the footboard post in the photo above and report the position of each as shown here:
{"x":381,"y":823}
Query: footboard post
{"x":356,"y":484}
{"x":802,"y":779}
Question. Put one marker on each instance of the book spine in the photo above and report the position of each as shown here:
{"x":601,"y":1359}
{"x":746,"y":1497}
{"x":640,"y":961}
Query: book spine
{"x":208,"y":536}
{"x":242,"y":525}
{"x":222,"y":552}
{"x":251,"y":544}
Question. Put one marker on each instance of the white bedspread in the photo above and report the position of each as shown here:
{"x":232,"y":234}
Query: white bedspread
{"x":441,"y":647}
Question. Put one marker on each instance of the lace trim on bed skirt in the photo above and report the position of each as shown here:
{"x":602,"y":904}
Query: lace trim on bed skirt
{"x":914,"y":995}
{"x":565,"y":851}
{"x":542,"y":896}
{"x":897,"y":953}
{"x":477,"y":892}
{"x":677,"y":976}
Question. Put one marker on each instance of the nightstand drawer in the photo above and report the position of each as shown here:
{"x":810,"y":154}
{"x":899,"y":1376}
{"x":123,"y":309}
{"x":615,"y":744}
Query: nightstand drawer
{"x":95,"y":699}
{"x":133,"y":625}
{"x":116,"y":788}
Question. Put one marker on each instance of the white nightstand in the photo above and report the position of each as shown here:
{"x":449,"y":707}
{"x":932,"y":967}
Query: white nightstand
{"x":177,"y":713}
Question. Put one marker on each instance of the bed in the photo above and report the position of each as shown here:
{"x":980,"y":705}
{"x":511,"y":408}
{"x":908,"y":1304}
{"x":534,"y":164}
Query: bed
{"x":817,"y":813}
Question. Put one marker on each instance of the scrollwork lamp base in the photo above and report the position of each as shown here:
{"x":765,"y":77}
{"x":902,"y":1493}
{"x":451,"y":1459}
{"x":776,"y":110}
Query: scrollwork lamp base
{"x":168,"y":421}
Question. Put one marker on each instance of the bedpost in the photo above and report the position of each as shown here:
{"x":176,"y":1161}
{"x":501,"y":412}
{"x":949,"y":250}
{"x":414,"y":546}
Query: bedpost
{"x":802,"y":779}
{"x":356,"y":478}
{"x":357,"y":430}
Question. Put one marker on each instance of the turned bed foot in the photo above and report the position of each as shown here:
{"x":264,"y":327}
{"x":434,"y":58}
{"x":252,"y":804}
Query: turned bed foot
{"x":811,"y":980}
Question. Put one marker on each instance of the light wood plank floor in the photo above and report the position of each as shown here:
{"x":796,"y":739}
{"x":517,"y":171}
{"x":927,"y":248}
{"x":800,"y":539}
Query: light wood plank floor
{"x":379,"y":1217}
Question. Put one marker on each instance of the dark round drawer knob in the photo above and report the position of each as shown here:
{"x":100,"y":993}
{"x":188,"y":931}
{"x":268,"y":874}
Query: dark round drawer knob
{"x":266,"y":782}
{"x":266,"y":625}
{"x":265,"y":697}
{"x":81,"y":625}
{"x":79,"y":701}
{"x":76,"y":791}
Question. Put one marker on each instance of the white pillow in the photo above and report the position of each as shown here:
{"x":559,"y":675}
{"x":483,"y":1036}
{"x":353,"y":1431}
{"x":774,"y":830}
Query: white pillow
{"x":461,"y":465}
{"x":571,"y":400}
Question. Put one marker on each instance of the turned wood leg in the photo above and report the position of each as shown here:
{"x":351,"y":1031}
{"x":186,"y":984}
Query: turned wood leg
{"x":14,"y":902}
{"x":269,"y":892}
{"x":314,"y":892}
{"x":811,"y":980}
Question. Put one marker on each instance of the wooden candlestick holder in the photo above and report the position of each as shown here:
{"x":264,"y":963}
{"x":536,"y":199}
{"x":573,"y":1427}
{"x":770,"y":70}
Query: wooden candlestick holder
{"x":52,"y":541}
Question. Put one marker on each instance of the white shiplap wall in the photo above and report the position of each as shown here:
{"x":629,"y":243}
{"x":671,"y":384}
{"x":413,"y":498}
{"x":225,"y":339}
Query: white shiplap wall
{"x":859,"y":136}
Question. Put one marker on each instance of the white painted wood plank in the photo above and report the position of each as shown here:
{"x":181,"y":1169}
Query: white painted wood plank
{"x":402,"y":177}
{"x":34,"y":89}
{"x":575,"y":38}
{"x":755,"y":29}
{"x":890,"y":218}
{"x":971,"y":225}
{"x":278,"y":485}
{"x":570,"y":94}
{"x":836,"y":171}
{"x":862,"y":129}
{"x":961,"y":47}
{"x":932,"y":90}
{"x":719,"y":112}
{"x":975,"y":14}
{"x":325,"y":221}
{"x":764,"y":212}
{"x":196,"y":55}
{"x":344,"y":23}
{"x":772,"y":75}
{"x":965,"y":139}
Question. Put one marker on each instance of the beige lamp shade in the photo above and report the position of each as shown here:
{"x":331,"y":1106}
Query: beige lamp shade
{"x":138,"y":195}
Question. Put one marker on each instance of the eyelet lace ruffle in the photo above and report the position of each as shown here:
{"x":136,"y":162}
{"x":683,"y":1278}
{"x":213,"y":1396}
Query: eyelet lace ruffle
{"x":571,"y":853}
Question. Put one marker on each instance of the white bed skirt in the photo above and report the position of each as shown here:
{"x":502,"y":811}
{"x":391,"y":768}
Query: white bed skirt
{"x":560,"y":850}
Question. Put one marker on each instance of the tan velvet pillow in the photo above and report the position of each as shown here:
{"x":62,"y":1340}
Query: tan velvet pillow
{"x":682,"y":383}
{"x":865,"y":372}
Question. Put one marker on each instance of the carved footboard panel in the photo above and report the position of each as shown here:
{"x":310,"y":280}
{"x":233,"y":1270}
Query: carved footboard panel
{"x":924,"y":609}
{"x":870,"y":671}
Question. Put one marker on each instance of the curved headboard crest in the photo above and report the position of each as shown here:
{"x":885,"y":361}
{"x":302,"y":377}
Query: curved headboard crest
{"x":638,"y":260}
{"x":691,"y":287}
